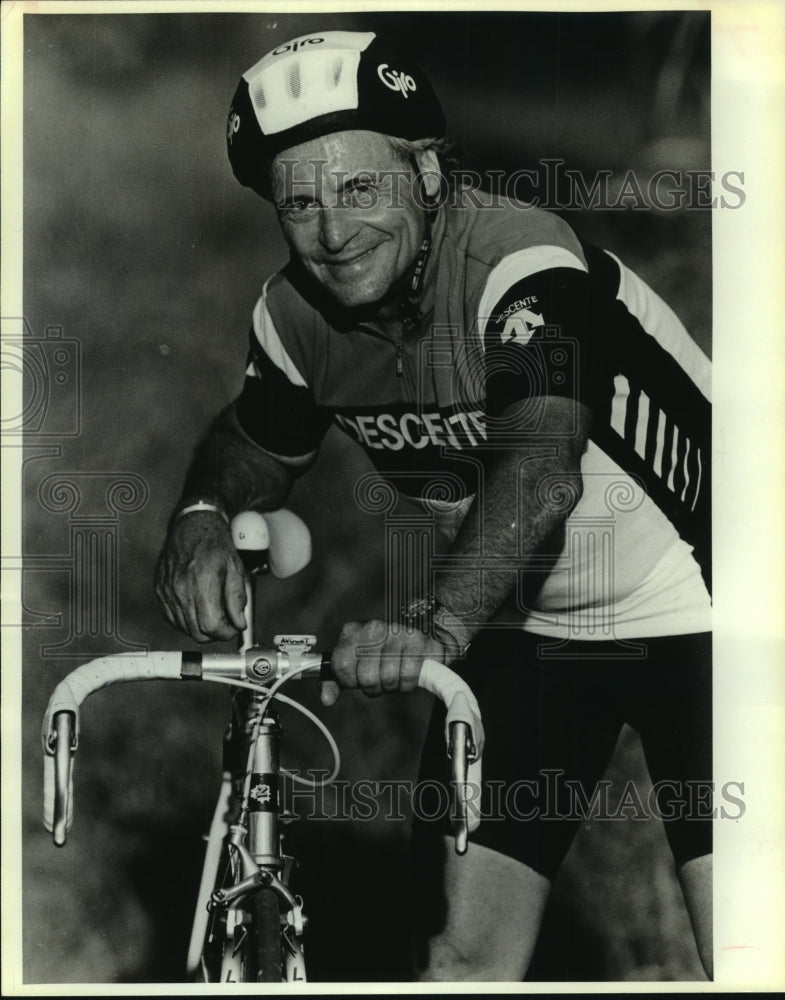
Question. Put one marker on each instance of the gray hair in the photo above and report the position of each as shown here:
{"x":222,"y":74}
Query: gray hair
{"x":407,"y":149}
{"x":442,"y":147}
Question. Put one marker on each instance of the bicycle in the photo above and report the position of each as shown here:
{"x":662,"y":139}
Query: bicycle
{"x":249,"y":926}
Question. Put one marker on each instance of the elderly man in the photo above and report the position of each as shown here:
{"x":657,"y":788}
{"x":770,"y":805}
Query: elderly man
{"x":469,"y":340}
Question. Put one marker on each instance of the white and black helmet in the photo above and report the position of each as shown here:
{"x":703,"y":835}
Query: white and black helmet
{"x":327,"y":81}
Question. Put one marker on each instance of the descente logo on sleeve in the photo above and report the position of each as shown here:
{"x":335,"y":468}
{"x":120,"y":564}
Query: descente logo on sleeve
{"x":386,"y":431}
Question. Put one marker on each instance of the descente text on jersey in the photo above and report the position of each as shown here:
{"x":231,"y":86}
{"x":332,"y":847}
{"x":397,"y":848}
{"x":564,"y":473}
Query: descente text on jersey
{"x":415,"y":430}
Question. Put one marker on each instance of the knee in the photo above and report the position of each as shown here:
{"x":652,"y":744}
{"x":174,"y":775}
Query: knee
{"x":696,"y":882}
{"x":448,"y":959}
{"x":487,"y":923}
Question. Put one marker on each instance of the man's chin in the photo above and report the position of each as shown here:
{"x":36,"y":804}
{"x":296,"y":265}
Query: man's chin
{"x":357,"y":297}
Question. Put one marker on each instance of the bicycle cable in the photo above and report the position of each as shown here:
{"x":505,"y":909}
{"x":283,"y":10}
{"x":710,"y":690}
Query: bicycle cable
{"x":273,"y":693}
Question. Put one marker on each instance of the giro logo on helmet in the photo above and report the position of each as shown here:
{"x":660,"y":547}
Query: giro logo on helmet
{"x":396,"y":81}
{"x":294,"y":46}
{"x":234,"y":125}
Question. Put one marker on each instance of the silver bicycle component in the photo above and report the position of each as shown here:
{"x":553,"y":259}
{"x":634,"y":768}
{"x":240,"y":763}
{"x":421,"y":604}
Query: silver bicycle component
{"x":62,"y":715}
{"x":460,"y":751}
{"x":64,"y":747}
{"x":251,"y":840}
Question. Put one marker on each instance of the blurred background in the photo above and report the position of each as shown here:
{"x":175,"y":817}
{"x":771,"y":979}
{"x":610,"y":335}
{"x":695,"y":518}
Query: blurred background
{"x":143,"y":260}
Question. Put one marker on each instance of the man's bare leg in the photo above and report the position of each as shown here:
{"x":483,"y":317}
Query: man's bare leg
{"x":696,"y":877}
{"x":494,"y":908}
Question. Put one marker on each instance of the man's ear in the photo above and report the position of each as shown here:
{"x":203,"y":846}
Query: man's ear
{"x":428,"y":165}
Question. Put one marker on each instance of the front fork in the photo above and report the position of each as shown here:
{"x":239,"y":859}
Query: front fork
{"x":255,"y":841}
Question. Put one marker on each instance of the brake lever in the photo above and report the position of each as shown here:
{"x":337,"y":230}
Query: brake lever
{"x":461,"y":751}
{"x":62,"y":737}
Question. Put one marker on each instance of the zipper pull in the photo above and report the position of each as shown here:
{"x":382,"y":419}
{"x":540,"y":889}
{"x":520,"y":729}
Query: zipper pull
{"x":399,"y":357}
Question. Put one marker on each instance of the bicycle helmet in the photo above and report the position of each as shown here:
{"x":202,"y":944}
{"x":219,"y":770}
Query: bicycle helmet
{"x":327,"y":81}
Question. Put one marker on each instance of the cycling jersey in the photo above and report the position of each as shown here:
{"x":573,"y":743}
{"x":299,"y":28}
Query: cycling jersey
{"x":513,"y":308}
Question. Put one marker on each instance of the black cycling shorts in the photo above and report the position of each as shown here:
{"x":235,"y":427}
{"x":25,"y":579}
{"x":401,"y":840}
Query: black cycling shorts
{"x":553,"y":713}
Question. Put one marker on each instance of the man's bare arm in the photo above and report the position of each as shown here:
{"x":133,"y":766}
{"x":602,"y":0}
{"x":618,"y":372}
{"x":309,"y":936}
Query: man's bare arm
{"x":511,"y":519}
{"x":199,"y":577}
{"x":231,"y":471}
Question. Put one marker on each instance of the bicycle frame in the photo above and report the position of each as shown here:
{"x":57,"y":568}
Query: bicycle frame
{"x":255,"y":849}
{"x":252,"y":783}
{"x":245,"y":831}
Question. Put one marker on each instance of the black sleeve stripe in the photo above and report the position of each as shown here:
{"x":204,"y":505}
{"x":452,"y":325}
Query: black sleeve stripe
{"x":533,"y":341}
{"x":555,"y":297}
{"x":631,"y":415}
{"x":650,"y":449}
{"x":280,"y":417}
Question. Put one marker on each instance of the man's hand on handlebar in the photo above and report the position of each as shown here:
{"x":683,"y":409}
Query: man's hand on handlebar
{"x":369,"y":656}
{"x":200,"y":580}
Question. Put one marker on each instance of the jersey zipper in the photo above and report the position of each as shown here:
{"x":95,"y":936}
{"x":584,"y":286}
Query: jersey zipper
{"x":401,"y":368}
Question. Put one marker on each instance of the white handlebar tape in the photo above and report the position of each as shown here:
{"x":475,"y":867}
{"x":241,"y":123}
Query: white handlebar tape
{"x":474,"y":781}
{"x":461,"y":707}
{"x":457,"y":696}
{"x":77,"y":686}
{"x":73,"y":689}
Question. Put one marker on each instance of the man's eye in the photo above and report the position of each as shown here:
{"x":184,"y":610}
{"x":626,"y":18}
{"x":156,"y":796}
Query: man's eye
{"x":361,"y":195}
{"x":299,"y":206}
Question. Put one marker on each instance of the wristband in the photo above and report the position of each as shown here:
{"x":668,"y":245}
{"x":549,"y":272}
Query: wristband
{"x":199,"y":506}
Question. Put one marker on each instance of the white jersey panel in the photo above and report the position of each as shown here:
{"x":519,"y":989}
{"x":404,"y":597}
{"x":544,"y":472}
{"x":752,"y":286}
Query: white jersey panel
{"x":623,"y":564}
{"x":271,"y":343}
{"x":657,"y":318}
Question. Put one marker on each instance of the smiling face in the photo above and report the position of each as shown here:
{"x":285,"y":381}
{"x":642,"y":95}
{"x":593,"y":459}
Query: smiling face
{"x":348,"y":211}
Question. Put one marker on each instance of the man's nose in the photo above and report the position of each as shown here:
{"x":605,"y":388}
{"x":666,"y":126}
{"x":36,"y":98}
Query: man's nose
{"x":336,"y":228}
